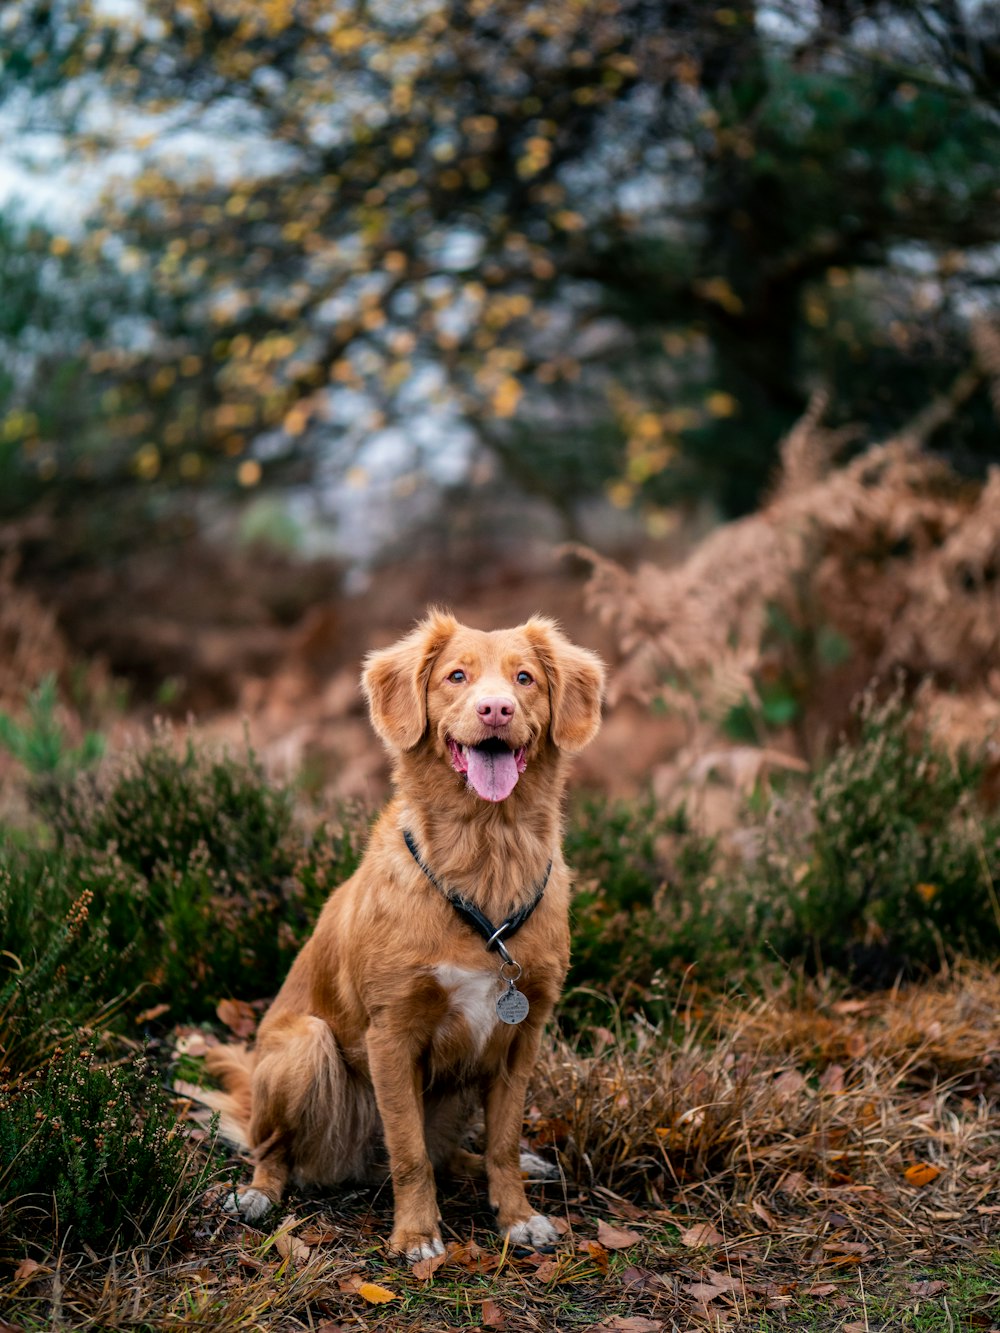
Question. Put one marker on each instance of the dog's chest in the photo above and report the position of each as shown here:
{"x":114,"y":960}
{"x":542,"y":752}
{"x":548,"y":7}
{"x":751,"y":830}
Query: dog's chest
{"x":472,"y":994}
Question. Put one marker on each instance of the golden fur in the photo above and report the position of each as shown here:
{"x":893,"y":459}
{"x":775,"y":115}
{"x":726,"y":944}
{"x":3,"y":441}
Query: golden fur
{"x":385,"y":1031}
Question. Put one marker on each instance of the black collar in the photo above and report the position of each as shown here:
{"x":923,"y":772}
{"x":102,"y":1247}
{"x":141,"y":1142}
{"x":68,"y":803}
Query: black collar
{"x":470,"y":913}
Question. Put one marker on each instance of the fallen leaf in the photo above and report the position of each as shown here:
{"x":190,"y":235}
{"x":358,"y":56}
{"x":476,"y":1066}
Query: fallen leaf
{"x":832,"y":1079}
{"x":374,"y":1294}
{"x":597,"y":1253}
{"x":28,"y":1269}
{"x":850,"y":1006}
{"x":821,"y":1289}
{"x":426,"y":1268}
{"x":703,"y":1292}
{"x":790,"y":1084}
{"x":723,"y":1281}
{"x":616,"y":1238}
{"x":921,"y":1173}
{"x":928,"y":1287}
{"x":642,"y":1279}
{"x":352,"y":1282}
{"x":764,"y":1213}
{"x":546,"y":1270}
{"x":793,"y":1183}
{"x":238,"y":1016}
{"x":317,"y":1235}
{"x":493,"y":1316}
{"x":701,"y":1234}
{"x":290,"y":1247}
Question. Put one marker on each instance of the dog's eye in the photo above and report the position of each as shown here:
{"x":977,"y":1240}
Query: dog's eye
{"x":525,"y":678}
{"x":457,"y":677}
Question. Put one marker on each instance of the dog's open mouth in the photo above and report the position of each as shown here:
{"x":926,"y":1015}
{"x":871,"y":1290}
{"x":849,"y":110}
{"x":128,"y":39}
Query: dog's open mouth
{"x":491,"y":768}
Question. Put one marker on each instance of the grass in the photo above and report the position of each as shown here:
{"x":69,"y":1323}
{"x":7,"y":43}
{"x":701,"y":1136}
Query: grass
{"x":747,"y":1139}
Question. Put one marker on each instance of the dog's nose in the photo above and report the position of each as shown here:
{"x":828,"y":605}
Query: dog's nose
{"x":495,"y":710}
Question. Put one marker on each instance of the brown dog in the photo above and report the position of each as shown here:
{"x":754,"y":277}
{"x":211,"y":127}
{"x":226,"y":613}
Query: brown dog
{"x":399,"y":1011}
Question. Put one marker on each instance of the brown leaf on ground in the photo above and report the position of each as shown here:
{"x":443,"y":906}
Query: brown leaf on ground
{"x":703,"y":1292}
{"x":701,"y":1234}
{"x":616,"y":1238}
{"x":921,"y":1174}
{"x":821,"y":1289}
{"x":598,"y":1254}
{"x":641,"y":1279}
{"x":927,"y":1287}
{"x":318,"y":1235}
{"x":290,"y":1247}
{"x":426,"y":1268}
{"x":28,"y":1269}
{"x":493,"y":1316}
{"x":547,"y":1270}
{"x":238,"y":1016}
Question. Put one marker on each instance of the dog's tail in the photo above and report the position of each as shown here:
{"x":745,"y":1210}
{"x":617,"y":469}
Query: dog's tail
{"x":233,"y":1066}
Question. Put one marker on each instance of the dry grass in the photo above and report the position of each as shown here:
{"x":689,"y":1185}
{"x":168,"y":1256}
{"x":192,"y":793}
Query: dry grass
{"x":806,"y":1160}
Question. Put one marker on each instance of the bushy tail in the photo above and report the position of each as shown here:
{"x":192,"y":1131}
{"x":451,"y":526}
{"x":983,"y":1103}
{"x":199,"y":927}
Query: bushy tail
{"x":233,"y":1066}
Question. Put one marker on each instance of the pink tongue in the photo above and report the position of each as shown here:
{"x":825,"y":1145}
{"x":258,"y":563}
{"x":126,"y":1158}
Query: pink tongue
{"x":492,"y":776}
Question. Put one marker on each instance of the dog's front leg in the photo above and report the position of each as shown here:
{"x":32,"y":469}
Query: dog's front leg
{"x":504,"y":1108}
{"x":397,"y":1082}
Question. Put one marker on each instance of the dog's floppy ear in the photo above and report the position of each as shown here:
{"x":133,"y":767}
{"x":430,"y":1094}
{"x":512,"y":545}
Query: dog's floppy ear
{"x":576,"y":684}
{"x":395,"y":680}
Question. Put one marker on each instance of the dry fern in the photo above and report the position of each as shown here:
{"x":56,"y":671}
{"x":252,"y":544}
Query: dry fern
{"x":891,"y":551}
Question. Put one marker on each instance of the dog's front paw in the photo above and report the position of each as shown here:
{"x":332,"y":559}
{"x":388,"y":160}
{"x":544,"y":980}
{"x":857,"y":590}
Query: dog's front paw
{"x":537,"y":1168}
{"x":415,"y":1246}
{"x":536,"y":1232}
{"x":249,"y":1204}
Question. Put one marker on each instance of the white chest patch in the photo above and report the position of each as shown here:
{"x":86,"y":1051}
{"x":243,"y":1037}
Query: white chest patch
{"x":473,"y":994}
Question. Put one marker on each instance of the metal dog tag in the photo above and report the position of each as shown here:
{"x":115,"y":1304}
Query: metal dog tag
{"x":512,"y":1006}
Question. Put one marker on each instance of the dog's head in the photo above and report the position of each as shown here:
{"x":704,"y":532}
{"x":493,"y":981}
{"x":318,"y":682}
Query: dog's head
{"x":488,"y":704}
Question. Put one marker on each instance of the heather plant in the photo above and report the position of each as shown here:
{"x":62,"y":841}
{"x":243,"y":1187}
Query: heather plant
{"x":891,"y":866}
{"x":179,"y":876}
{"x":647,"y":902}
{"x":90,"y":1155}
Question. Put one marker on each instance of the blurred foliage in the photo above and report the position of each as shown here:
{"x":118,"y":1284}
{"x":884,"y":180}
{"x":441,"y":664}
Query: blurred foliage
{"x":619,"y":240}
{"x":40,"y":742}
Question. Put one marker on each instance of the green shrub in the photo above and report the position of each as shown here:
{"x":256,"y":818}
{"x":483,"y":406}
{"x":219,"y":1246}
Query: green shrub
{"x":892,"y":866}
{"x":91,"y":1154}
{"x":646,"y":904}
{"x":58,"y":970}
{"x":180,"y":875}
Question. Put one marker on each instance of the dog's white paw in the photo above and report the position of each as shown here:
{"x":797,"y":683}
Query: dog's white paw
{"x":536,"y":1231}
{"x":537,"y":1168}
{"x":427,"y":1249}
{"x":250,"y":1204}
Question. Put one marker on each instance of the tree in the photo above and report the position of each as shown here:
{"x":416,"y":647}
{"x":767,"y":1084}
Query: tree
{"x":617,"y":242}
